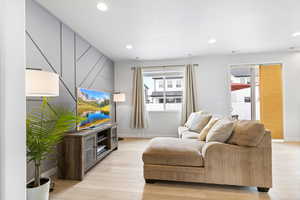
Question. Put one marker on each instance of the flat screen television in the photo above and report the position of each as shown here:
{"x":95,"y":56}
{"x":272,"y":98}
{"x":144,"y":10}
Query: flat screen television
{"x":95,"y":106}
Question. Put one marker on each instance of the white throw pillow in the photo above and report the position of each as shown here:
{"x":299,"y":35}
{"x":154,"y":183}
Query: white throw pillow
{"x":199,"y":121}
{"x":221,"y":131}
{"x":189,"y":121}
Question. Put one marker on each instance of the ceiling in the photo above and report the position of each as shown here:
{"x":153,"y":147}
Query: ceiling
{"x":164,"y":29}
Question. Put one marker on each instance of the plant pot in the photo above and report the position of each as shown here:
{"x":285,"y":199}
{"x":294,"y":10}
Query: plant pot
{"x":39,"y":193}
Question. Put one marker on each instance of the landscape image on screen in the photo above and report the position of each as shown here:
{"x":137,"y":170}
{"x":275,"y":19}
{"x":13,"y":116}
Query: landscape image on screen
{"x":94,"y":106}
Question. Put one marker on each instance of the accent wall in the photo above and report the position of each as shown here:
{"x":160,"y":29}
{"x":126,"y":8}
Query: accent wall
{"x":53,"y":46}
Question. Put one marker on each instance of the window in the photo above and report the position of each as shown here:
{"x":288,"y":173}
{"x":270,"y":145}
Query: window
{"x":160,"y":91}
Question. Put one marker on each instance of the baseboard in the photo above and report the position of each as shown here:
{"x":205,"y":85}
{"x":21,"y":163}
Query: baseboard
{"x":47,"y":173}
{"x":278,"y":140}
{"x":50,"y":172}
{"x":144,"y":135}
{"x":292,"y":139}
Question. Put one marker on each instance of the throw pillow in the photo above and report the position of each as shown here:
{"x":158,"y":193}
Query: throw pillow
{"x":199,"y":121}
{"x":205,"y":130}
{"x":247,"y":133}
{"x":221,"y":131}
{"x":190,"y":120}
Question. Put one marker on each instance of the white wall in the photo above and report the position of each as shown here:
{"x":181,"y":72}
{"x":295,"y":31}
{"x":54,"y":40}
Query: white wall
{"x":213,"y":91}
{"x":12,"y":101}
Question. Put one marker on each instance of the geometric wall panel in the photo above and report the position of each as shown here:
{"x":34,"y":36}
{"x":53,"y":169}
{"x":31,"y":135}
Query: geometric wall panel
{"x":53,"y":46}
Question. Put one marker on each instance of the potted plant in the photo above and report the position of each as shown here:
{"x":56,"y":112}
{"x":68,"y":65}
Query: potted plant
{"x":45,"y":127}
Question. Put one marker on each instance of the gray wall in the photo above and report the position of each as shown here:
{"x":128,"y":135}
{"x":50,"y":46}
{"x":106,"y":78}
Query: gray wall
{"x":53,"y":46}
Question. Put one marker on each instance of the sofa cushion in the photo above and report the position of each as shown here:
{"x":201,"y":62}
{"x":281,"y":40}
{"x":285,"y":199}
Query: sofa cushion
{"x":181,"y":130}
{"x":190,"y":135}
{"x":174,"y":151}
{"x":221,"y":131}
{"x":199,"y":121}
{"x":202,"y":135}
{"x":247,"y":133}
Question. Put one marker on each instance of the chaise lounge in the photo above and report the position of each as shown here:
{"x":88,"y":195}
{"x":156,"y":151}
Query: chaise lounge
{"x":191,"y":160}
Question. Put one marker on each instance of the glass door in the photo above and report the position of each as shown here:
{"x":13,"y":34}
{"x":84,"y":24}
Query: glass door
{"x":245,"y":92}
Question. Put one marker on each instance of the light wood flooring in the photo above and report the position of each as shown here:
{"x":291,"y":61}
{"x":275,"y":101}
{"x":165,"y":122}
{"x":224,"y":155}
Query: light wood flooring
{"x":120,"y":177}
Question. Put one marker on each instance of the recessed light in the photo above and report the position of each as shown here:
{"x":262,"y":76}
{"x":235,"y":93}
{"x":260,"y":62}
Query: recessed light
{"x":129,"y":46}
{"x":296,"y":34}
{"x":291,"y":48}
{"x":212,"y":41}
{"x":102,"y":6}
{"x":294,"y":49}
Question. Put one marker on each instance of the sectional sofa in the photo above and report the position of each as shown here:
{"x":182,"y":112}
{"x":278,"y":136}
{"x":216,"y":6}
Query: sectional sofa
{"x":189,"y":160}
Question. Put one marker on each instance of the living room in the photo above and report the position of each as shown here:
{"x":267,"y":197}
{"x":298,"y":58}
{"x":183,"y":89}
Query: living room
{"x":150,"y":100}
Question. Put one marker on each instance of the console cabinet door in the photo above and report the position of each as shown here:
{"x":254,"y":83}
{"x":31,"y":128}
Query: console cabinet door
{"x":89,"y":151}
{"x":114,"y":137}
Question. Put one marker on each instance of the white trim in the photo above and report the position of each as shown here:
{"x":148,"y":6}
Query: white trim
{"x":278,"y":140}
{"x":142,"y":134}
{"x":166,"y":111}
{"x":292,"y":139}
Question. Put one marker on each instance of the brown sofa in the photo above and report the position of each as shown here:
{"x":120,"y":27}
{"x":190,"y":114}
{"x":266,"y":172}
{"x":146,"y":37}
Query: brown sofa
{"x":191,"y":160}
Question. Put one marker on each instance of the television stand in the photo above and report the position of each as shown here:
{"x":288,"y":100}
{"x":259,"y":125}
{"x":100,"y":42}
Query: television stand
{"x":81,"y":150}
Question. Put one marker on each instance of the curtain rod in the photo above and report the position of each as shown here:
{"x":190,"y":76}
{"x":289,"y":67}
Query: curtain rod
{"x":195,"y":65}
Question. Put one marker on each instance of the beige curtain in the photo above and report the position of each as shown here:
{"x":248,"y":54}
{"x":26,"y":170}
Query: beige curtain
{"x":189,"y":104}
{"x":138,"y":115}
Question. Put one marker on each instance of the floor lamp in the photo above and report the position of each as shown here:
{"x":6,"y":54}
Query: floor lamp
{"x":118,"y":98}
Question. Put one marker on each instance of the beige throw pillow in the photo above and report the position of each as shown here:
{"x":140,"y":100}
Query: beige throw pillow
{"x":247,"y":133}
{"x":205,"y":130}
{"x":221,"y":131}
{"x":199,"y":121}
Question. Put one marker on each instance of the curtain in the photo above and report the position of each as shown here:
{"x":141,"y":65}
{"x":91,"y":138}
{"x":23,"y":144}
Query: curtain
{"x":138,"y":115}
{"x":189,"y":103}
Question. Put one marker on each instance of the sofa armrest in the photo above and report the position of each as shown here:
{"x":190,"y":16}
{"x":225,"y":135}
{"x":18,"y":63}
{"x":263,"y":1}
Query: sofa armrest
{"x":233,"y":164}
{"x":217,"y":147}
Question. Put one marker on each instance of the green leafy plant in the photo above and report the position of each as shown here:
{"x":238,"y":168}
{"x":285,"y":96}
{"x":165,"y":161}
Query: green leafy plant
{"x":45,"y":127}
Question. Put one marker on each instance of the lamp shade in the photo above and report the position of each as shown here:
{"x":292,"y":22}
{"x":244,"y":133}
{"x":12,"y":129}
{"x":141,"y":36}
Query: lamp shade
{"x":41,"y":83}
{"x":119,"y":97}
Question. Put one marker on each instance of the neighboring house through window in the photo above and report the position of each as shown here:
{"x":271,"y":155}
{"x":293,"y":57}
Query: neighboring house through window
{"x":160,"y":83}
{"x":178,"y":83}
{"x":163,"y":88}
{"x":169,"y":83}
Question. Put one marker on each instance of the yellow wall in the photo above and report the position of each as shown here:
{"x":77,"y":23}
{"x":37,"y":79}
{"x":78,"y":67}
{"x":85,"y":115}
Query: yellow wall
{"x":271,"y":109}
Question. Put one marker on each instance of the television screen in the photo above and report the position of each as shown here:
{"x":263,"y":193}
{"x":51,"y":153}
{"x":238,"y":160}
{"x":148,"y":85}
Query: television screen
{"x":94,"y":106}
